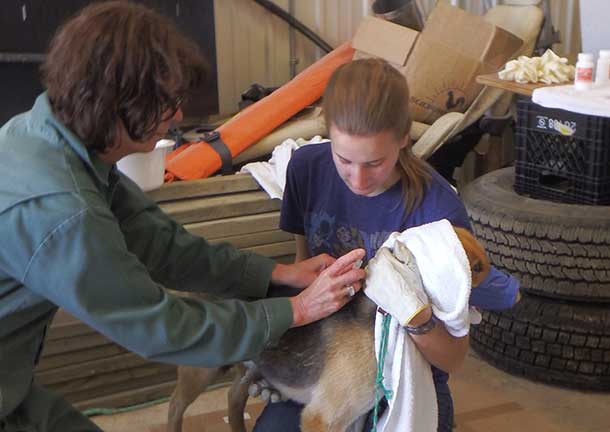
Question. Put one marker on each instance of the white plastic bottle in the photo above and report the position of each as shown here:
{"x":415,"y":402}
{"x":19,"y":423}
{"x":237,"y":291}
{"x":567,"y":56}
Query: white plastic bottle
{"x":602,"y":72}
{"x":584,"y":72}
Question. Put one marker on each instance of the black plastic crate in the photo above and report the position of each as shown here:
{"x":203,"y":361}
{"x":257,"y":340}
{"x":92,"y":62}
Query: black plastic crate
{"x":562,"y":156}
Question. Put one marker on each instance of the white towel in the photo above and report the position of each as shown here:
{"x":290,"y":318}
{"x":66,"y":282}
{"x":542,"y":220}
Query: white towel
{"x":446,"y":277}
{"x":595,"y":101}
{"x":272,"y":175}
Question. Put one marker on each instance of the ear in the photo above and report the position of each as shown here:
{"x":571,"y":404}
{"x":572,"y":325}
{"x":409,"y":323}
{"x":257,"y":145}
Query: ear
{"x":479,"y":263}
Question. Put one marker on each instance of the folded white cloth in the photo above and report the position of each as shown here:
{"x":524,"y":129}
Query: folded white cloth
{"x":446,"y":276}
{"x":271,"y":175}
{"x":413,"y":406}
{"x":594,"y":101}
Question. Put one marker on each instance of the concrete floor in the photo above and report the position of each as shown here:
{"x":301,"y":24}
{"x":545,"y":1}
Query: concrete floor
{"x":486,"y":399}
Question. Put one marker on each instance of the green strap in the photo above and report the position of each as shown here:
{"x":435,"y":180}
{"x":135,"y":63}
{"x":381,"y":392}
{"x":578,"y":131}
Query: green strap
{"x":383,"y":350}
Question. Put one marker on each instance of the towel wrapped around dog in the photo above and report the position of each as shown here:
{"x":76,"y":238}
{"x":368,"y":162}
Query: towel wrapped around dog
{"x":446,"y":278}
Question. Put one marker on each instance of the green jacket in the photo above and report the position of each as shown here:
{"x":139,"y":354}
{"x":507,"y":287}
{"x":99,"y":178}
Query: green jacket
{"x":77,"y":234}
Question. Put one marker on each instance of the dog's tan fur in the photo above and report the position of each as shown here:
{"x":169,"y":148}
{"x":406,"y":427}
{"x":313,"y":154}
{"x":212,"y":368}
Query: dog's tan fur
{"x":342,"y":391}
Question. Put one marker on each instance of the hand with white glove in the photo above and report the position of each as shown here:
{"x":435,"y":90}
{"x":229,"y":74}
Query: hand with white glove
{"x":393,"y":282}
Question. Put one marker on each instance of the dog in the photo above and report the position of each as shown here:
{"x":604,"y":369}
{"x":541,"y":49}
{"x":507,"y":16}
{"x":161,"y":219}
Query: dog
{"x":328,"y":365}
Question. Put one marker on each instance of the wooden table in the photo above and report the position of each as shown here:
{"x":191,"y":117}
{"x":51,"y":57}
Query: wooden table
{"x":492,"y":80}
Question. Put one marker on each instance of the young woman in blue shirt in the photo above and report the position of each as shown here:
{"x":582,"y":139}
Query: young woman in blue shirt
{"x":353,"y":191}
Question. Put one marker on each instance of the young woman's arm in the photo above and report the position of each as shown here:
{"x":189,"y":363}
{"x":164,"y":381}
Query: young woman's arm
{"x":440,"y":348}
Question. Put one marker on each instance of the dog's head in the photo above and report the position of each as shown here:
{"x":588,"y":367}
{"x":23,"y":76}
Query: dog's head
{"x":479,"y":263}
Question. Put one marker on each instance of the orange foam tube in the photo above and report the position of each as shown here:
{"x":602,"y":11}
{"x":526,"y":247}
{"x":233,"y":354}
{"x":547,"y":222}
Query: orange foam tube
{"x":199,"y":160}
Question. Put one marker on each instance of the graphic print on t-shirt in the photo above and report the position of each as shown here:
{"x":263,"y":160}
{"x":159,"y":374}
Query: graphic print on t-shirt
{"x":326,"y":234}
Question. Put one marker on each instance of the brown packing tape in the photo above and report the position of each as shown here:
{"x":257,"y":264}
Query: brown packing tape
{"x":379,"y":38}
{"x":453,"y":93}
{"x":451,"y":51}
{"x":442,"y":62}
{"x":470,"y":35}
{"x":459,"y":30}
{"x":495,"y":55}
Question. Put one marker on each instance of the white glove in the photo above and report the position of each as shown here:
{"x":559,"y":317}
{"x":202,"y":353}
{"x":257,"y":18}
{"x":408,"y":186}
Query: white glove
{"x":393,"y":282}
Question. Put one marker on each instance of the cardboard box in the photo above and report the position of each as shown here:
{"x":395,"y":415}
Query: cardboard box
{"x":442,"y":62}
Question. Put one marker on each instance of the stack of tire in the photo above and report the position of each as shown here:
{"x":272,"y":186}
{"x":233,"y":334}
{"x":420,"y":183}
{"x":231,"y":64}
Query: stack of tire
{"x":559,"y":332}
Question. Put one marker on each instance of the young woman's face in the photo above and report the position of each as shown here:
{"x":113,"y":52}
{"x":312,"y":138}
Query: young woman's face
{"x":367,"y":164}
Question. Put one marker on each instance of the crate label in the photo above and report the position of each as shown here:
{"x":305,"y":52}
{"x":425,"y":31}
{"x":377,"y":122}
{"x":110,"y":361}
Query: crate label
{"x":564,"y":127}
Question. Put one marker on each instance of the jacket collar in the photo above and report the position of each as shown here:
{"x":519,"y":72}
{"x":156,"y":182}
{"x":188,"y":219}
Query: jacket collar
{"x":42,"y":111}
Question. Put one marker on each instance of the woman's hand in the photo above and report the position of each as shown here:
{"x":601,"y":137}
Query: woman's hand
{"x":330,"y":291}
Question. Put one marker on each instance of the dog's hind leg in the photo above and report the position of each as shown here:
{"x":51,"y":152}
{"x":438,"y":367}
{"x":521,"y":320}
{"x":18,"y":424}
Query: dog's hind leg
{"x":191,"y":383}
{"x":238,"y":396}
{"x":346,"y":389}
{"x":338,"y":410}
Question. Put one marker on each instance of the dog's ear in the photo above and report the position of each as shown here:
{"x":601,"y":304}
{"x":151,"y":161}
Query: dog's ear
{"x":479,"y":263}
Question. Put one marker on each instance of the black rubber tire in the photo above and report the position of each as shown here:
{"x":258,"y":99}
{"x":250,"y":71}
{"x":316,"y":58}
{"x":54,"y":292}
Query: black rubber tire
{"x":556,"y":342}
{"x":556,"y":250}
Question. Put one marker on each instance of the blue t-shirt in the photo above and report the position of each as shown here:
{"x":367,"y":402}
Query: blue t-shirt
{"x":334,"y":220}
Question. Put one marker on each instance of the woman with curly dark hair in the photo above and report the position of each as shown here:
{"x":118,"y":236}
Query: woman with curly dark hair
{"x":79,"y":235}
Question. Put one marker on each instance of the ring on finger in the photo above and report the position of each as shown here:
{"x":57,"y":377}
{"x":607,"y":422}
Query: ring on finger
{"x":350,"y":291}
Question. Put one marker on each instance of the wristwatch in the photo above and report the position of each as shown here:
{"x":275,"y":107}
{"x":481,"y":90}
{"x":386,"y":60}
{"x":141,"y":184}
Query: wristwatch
{"x":423,"y":328}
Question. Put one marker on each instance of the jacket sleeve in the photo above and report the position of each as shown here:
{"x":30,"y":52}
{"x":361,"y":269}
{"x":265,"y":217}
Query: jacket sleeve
{"x":182,"y":261}
{"x":85,"y":266}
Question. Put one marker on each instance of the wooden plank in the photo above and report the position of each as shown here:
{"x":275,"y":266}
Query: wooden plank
{"x":76,"y":357}
{"x":116,"y":380}
{"x":140,"y":392}
{"x":204,"y":209}
{"x":275,"y":249}
{"x":67,"y":330}
{"x":525,"y":89}
{"x":143,"y":389}
{"x":256,"y":239}
{"x":235,"y":225}
{"x":97,"y":366}
{"x":76,"y":343}
{"x":218,"y":185}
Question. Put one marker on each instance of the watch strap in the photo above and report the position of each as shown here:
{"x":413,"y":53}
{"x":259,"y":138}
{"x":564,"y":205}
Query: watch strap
{"x":423,"y":328}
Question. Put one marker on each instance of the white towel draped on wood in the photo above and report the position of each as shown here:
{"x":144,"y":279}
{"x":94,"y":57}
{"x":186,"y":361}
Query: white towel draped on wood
{"x":271,"y":176}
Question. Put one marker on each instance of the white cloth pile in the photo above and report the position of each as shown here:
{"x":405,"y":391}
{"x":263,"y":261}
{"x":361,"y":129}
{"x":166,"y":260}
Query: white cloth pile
{"x":594,"y":101}
{"x":548,"y":69}
{"x":271,"y":175}
{"x":446,"y":276}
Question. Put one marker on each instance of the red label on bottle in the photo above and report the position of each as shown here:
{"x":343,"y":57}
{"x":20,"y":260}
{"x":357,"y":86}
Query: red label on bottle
{"x":584,"y":74}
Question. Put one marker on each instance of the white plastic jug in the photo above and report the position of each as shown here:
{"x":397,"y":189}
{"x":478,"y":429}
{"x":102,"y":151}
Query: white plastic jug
{"x":147,"y":169}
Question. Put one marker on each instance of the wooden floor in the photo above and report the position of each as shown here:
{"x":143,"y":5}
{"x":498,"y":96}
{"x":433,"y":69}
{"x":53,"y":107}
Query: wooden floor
{"x":486,"y":400}
{"x":215,"y":421}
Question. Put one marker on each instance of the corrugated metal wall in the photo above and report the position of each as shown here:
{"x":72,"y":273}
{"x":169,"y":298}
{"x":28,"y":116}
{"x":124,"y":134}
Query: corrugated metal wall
{"x":253,"y":45}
